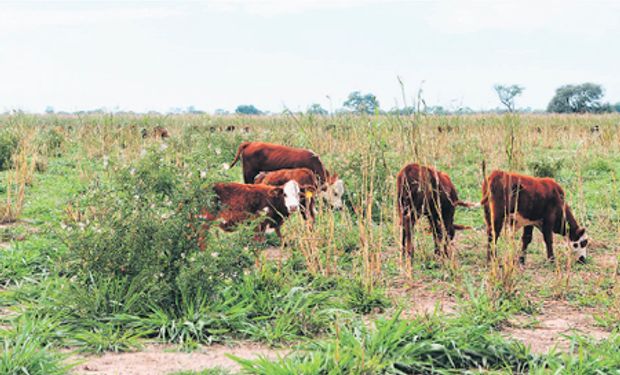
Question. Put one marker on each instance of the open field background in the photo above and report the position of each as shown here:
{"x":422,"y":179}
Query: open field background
{"x":99,"y":255}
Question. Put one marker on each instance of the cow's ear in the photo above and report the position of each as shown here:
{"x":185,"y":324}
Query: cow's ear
{"x":581,"y":231}
{"x":307,"y":190}
{"x":276,"y":192}
{"x":259,"y":177}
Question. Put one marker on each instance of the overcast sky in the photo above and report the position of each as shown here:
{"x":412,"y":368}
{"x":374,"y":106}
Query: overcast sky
{"x":285,"y":53}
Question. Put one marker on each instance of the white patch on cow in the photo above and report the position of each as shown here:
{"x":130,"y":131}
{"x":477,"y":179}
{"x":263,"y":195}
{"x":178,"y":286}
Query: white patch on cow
{"x":517,"y":221}
{"x":269,"y":229}
{"x":333,"y":194}
{"x":266,"y":210}
{"x":580,"y":251}
{"x":291,"y":195}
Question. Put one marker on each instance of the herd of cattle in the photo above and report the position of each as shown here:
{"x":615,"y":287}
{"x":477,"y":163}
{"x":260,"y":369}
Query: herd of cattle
{"x":280,"y":180}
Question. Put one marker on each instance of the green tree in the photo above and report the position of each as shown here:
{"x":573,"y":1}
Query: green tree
{"x":507,"y":95}
{"x":578,"y":99}
{"x":316,"y":109}
{"x":245,"y":109}
{"x":616,"y":107}
{"x":359,"y":103}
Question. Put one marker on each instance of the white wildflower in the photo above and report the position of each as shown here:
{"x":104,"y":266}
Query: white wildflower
{"x":225,"y":167}
{"x":215,"y":254}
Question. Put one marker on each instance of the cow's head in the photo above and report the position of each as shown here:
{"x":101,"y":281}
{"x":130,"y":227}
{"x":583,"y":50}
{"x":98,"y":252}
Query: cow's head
{"x":291,"y":192}
{"x":579,"y":243}
{"x":332,"y":192}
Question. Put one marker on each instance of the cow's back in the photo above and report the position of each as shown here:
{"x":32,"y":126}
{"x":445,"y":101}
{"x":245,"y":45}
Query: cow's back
{"x":530,"y":196}
{"x":262,"y":156}
{"x":303,"y":176}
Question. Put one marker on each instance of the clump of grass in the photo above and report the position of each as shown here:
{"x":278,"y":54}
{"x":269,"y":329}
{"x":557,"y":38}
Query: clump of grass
{"x":9,"y":142}
{"x":546,"y":167}
{"x":23,"y":349}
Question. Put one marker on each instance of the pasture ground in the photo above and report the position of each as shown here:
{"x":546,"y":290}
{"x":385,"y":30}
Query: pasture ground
{"x":100,"y":272}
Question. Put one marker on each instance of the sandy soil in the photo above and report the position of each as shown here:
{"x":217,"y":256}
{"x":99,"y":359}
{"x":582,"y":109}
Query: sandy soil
{"x":163,"y":359}
{"x":547,"y":330}
{"x":421,"y":300}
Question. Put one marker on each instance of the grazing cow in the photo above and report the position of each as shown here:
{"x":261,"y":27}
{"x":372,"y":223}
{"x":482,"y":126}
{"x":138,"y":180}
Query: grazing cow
{"x":303,"y":176}
{"x":158,"y":132}
{"x":426,"y":191}
{"x":260,"y":156}
{"x":523,"y":201}
{"x":242,"y":202}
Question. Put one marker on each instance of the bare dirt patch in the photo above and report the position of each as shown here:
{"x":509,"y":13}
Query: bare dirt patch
{"x":421,"y":300}
{"x":548,"y":330}
{"x":163,"y":359}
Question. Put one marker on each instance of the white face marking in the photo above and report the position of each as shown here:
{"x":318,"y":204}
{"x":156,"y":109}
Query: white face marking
{"x":291,"y":196}
{"x":333,"y":194}
{"x":577,"y":248}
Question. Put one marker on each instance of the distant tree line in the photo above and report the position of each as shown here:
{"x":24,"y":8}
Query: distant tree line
{"x":582,"y":98}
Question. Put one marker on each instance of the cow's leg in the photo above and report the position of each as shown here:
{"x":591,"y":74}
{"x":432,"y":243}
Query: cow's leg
{"x":449,"y":227}
{"x":495,"y":222}
{"x":525,"y":241}
{"x":548,"y":237}
{"x":248,"y":174}
{"x":438,"y":233}
{"x":407,"y":247}
{"x":277,"y":229}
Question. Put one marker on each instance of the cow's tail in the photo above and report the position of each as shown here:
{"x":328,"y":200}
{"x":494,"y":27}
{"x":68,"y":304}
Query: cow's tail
{"x":242,"y":147}
{"x":462,"y":227}
{"x":487,"y":191}
{"x":468,"y":204}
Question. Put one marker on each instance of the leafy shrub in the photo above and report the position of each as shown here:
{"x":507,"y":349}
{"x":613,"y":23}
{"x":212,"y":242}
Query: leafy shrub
{"x":9,"y":142}
{"x":50,"y":142}
{"x":138,"y":236}
{"x":545,"y":167}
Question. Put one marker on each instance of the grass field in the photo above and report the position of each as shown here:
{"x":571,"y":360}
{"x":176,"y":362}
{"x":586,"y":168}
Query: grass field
{"x":99,"y":253}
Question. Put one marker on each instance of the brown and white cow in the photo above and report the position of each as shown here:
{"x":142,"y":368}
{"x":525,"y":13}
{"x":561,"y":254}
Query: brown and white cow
{"x":526,"y":202}
{"x":425,"y":191}
{"x":243,"y":202}
{"x":260,"y":156}
{"x":306,"y":179}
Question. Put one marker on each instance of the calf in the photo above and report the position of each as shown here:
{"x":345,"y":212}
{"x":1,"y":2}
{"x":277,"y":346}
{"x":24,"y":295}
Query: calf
{"x":260,"y":156}
{"x":426,"y":191}
{"x":158,"y":132}
{"x":303,"y":176}
{"x":523,"y":201}
{"x":242,"y":202}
